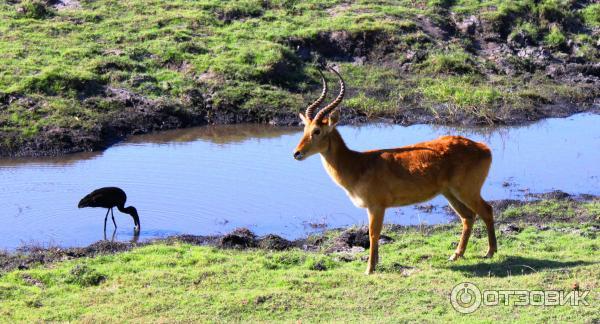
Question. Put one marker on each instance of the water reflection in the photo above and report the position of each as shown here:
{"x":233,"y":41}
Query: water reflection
{"x":63,"y":160}
{"x":218,"y":134}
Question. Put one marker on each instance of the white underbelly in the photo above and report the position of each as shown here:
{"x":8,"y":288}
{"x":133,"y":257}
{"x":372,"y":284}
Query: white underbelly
{"x":356,"y":200}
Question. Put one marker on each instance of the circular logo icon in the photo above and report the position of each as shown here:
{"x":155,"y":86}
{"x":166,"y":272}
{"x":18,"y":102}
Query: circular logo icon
{"x":465,"y":297}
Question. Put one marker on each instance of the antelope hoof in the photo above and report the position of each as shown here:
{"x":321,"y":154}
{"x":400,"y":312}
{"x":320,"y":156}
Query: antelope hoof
{"x":489,"y":255}
{"x":454,"y":257}
{"x":370,"y":270}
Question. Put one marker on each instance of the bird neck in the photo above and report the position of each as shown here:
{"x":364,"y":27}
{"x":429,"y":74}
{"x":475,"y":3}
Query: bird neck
{"x":133,"y":212}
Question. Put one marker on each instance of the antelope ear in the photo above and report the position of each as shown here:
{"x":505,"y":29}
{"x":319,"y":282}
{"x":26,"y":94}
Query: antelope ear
{"x":305,"y":120}
{"x":333,"y":118}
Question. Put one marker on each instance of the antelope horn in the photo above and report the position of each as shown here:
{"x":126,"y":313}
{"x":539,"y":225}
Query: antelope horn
{"x":329,"y":108}
{"x":310,"y":110}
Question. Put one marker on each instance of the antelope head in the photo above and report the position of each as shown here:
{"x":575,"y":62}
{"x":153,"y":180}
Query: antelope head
{"x":318,"y":128}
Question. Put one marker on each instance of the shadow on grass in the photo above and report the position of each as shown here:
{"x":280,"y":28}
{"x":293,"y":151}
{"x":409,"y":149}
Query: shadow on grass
{"x":515,"y":266}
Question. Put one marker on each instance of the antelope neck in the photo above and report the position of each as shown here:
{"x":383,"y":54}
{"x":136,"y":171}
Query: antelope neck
{"x":340,"y":159}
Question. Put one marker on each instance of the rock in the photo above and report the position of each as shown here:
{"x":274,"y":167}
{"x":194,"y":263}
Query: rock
{"x":469,"y":25}
{"x":539,"y":55}
{"x":432,"y":29}
{"x":310,"y":247}
{"x":555,"y":70}
{"x":65,"y":4}
{"x":510,"y":229}
{"x":356,"y":249}
{"x":415,"y":56}
{"x":359,"y":60}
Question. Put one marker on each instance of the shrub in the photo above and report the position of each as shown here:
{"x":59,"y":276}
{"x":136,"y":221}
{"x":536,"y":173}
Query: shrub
{"x":524,"y":33}
{"x":84,"y":276}
{"x":507,"y":13}
{"x":54,"y":81}
{"x":555,"y":38}
{"x":34,"y":9}
{"x":457,"y":62}
{"x":591,"y":15}
{"x":553,"y":10}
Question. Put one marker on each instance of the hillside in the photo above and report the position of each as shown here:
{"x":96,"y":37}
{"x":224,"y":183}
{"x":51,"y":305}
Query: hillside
{"x":80,"y":75}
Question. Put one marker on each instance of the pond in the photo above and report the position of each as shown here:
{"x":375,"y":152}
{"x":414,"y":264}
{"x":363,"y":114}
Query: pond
{"x":210,"y":180}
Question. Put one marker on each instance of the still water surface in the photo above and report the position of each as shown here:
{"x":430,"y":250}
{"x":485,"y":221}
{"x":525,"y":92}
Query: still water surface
{"x":210,"y":180}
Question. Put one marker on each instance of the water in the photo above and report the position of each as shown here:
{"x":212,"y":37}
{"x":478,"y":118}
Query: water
{"x":210,"y":180}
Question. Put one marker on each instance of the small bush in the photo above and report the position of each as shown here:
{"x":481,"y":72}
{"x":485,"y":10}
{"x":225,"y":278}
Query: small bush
{"x":449,"y":63}
{"x":34,"y":9}
{"x":320,"y":264}
{"x":507,"y":13}
{"x":593,"y":208}
{"x":84,"y":276}
{"x":555,"y":38}
{"x":591,"y":15}
{"x":440,"y":3}
{"x":240,"y":9}
{"x":54,"y":81}
{"x":553,"y":10}
{"x":524,"y":34}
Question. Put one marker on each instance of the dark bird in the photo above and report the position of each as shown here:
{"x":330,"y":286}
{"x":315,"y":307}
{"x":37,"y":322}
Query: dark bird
{"x":110,"y":197}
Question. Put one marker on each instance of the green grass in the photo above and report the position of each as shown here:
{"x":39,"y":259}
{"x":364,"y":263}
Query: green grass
{"x":555,"y":38}
{"x":546,"y":209}
{"x":527,"y":31}
{"x":591,"y":14}
{"x":453,"y":62}
{"x":180,"y":282}
{"x":555,"y":209}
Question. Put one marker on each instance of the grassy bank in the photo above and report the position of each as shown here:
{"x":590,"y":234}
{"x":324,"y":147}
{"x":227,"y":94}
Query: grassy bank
{"x":182,"y":282}
{"x":79,"y":75}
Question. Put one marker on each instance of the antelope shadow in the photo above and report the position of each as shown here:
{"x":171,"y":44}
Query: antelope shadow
{"x":515,"y":266}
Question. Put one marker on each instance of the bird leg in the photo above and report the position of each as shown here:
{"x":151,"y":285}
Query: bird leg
{"x":113,"y":218}
{"x":136,"y":236}
{"x":105,"y":218}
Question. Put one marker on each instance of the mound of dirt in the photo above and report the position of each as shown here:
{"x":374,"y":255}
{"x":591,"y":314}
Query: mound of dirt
{"x":240,"y":238}
{"x":274,"y":242}
{"x":355,"y":237}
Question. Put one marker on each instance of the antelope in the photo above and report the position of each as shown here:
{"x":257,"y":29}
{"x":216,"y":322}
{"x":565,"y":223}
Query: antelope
{"x":453,"y":166}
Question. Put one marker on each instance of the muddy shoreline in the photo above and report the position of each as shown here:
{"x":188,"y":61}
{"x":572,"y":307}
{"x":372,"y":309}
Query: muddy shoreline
{"x":152,"y":118}
{"x":346,"y":240}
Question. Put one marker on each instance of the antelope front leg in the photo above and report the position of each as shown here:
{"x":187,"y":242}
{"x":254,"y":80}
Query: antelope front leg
{"x":375,"y":224}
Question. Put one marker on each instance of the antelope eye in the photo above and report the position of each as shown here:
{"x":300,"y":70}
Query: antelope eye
{"x":316,"y":132}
